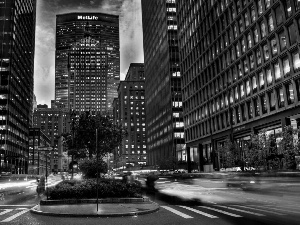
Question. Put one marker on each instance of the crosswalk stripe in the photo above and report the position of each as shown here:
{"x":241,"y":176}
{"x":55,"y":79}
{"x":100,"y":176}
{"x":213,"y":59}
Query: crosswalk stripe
{"x":177,"y":212}
{"x":220,"y":211}
{"x":14,"y":216}
{"x":240,"y":210}
{"x":262,"y":210}
{"x":278,"y":209}
{"x":6,"y":211}
{"x":197,"y":211}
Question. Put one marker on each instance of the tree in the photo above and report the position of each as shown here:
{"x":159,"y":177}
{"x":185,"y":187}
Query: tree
{"x":168,"y":163}
{"x":89,"y":167}
{"x":289,"y":146}
{"x":84,"y":143}
{"x":228,"y":154}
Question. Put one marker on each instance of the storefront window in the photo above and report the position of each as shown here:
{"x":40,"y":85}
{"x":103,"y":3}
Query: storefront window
{"x":237,"y":50}
{"x":267,"y":3}
{"x":259,"y":6}
{"x":288,"y":8}
{"x":251,"y":57}
{"x":238,"y":115}
{"x":297,"y":4}
{"x":236,"y":92}
{"x":243,"y":46}
{"x":240,"y":70}
{"x":246,"y":19}
{"x":277,"y":71}
{"x":245,"y":66}
{"x":241,"y":25}
{"x":249,"y":40}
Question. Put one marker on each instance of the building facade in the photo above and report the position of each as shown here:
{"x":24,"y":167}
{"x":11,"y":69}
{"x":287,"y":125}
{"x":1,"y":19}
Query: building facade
{"x":130,"y":112}
{"x":240,"y":68}
{"x":165,"y":131}
{"x":53,"y":122}
{"x":87,"y":61}
{"x":40,"y":151}
{"x":17,"y":30}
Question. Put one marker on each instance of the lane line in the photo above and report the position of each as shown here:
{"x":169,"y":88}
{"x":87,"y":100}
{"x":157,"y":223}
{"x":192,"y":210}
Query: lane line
{"x":6,"y":211}
{"x":14,"y":216}
{"x":16,"y":206}
{"x":177,"y":212}
{"x":278,"y":209}
{"x":220,"y":211}
{"x":262,"y":210}
{"x":199,"y":212}
{"x":240,"y":210}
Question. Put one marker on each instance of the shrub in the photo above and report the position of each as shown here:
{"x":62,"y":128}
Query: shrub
{"x":88,"y":189}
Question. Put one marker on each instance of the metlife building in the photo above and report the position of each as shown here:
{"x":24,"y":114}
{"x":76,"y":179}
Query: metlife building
{"x":87,"y":61}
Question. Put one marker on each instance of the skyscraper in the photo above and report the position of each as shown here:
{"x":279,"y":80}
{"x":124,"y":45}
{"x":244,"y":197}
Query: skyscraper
{"x":17,"y":32}
{"x":165,"y":132}
{"x":240,"y":68}
{"x":87,"y":61}
{"x":130,"y":113}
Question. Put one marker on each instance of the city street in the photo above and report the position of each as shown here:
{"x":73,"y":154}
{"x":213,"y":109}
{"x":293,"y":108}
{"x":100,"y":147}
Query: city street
{"x":184,"y":202}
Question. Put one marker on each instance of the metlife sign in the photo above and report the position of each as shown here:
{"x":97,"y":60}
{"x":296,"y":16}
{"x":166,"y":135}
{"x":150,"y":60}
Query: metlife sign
{"x":87,"y":17}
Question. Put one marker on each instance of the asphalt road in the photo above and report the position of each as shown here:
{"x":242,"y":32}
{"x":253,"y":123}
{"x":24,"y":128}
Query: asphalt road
{"x":198,"y":202}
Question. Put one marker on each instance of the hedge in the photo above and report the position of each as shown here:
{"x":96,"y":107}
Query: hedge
{"x":85,"y":189}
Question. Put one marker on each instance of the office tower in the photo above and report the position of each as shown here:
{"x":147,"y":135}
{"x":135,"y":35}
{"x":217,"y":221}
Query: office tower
{"x":129,"y":112}
{"x":240,"y":67}
{"x":87,"y":61}
{"x":53,"y":122}
{"x":17,"y":30}
{"x":165,"y":134}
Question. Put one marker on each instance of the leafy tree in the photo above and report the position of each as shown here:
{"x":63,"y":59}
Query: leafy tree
{"x":84,"y":130}
{"x":89,"y":167}
{"x":228,"y":154}
{"x":168,"y":163}
{"x":289,"y":146}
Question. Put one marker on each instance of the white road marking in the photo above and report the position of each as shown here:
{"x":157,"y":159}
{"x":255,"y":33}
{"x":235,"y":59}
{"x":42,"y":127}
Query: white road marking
{"x":262,"y":210}
{"x":199,"y":212}
{"x":14,"y":216}
{"x":240,"y":210}
{"x":177,"y":212}
{"x":221,"y":211}
{"x":6,"y":211}
{"x":278,"y":209}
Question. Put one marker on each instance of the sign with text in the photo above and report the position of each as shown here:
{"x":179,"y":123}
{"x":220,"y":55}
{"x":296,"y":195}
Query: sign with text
{"x":87,"y":17}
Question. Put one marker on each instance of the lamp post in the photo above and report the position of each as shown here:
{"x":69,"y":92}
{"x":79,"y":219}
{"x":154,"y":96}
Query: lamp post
{"x":46,"y":150}
{"x":73,"y":118}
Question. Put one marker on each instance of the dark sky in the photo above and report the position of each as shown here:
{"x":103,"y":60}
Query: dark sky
{"x":131,"y":37}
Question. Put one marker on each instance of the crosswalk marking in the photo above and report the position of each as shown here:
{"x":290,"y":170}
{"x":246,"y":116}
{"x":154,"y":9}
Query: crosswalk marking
{"x":14,"y":216}
{"x":240,"y":210}
{"x":197,"y":211}
{"x":177,"y":212}
{"x":221,"y":211}
{"x":262,"y":210}
{"x":6,"y":211}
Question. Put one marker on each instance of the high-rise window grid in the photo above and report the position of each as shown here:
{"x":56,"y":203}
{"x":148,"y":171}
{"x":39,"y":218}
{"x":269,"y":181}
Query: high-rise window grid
{"x":257,"y":65}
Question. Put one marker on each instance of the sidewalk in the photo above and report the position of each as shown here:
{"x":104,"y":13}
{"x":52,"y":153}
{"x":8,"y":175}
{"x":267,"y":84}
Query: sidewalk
{"x":109,"y":209}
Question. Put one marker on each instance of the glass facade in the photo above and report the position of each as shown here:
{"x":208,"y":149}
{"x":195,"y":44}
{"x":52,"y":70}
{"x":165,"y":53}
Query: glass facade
{"x":17,"y":31}
{"x":99,"y":62}
{"x":162,"y":80}
{"x":259,"y":78}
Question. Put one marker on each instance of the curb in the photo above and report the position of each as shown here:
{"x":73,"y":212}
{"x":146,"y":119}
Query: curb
{"x":35,"y":211}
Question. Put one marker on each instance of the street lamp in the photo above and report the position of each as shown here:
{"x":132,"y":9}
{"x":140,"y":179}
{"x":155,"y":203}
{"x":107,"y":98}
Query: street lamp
{"x":73,"y":118}
{"x":47,"y":150}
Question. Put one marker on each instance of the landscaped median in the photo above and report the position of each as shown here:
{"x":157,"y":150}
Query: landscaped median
{"x":79,"y":198}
